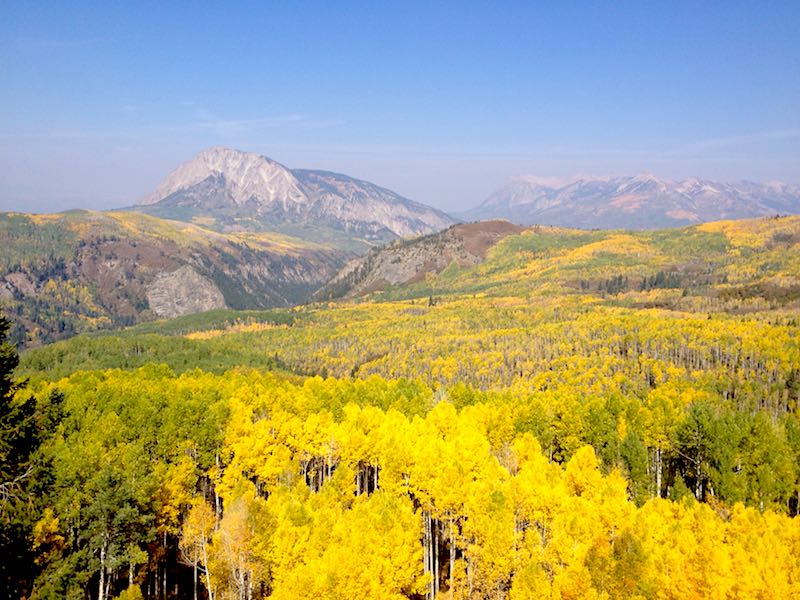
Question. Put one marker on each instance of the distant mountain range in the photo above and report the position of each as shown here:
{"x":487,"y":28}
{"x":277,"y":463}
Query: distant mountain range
{"x":641,"y":202}
{"x":231,"y":190}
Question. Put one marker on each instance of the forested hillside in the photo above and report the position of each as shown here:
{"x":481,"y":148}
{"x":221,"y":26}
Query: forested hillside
{"x":68,"y":273}
{"x":583,"y":414}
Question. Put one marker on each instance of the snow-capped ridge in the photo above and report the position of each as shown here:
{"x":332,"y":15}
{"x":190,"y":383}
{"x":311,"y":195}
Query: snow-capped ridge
{"x":643,"y":201}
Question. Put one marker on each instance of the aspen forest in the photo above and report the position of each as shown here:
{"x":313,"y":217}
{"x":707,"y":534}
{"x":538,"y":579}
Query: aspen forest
{"x":583,"y":415}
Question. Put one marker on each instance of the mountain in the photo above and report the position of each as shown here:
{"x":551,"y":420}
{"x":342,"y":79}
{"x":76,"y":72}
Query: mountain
{"x":641,"y":202}
{"x":410,"y":261}
{"x":231,"y":190}
{"x":77,"y":271}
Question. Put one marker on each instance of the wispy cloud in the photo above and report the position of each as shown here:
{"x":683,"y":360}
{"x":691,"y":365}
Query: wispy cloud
{"x":201,"y":123}
{"x":232,"y":127}
{"x":56,"y":43}
{"x":745,"y":140}
{"x":224,"y":127}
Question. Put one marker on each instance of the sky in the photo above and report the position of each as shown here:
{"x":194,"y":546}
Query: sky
{"x":441,"y":102}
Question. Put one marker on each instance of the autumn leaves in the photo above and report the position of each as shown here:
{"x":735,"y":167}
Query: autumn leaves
{"x":249,"y":485}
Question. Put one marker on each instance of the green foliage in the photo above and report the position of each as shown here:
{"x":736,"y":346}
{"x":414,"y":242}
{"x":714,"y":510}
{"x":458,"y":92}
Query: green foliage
{"x":209,"y":320}
{"x":24,"y":475}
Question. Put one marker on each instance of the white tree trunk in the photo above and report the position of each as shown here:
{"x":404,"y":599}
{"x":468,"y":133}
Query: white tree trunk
{"x":658,"y":472}
{"x":452,"y":556}
{"x":101,"y":590}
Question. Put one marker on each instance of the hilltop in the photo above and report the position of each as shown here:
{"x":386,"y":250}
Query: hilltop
{"x":713,"y":260}
{"x":415,"y":260}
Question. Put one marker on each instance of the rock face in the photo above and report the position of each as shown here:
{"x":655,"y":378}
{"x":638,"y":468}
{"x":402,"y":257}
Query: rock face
{"x":246,"y":176}
{"x":641,"y":202}
{"x":183,"y":292}
{"x":242,"y":190}
{"x":409,"y":261}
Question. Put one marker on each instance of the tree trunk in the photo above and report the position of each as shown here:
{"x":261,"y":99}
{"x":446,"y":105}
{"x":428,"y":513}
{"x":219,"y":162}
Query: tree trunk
{"x":425,"y":547}
{"x":435,"y":527}
{"x":101,"y":589}
{"x":452,"y":556}
{"x":195,"y":581}
{"x":217,"y":507}
{"x":208,"y":574}
{"x":698,"y":484}
{"x":165,"y":589}
{"x":658,"y":472}
{"x":428,"y":554}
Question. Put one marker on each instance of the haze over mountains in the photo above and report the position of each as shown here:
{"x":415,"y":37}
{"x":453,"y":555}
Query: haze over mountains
{"x":233,"y":190}
{"x":233,"y":229}
{"x":640,"y":202}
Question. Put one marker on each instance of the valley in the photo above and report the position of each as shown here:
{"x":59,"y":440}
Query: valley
{"x":524,"y":410}
{"x":227,"y":390}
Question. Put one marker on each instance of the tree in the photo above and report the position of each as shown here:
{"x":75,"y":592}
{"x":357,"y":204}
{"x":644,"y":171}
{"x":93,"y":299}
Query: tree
{"x":694,"y":440}
{"x":19,"y":439}
{"x":197,"y":531}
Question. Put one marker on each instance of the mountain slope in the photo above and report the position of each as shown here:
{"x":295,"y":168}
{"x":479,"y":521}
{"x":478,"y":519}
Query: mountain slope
{"x":415,"y":260}
{"x":79,"y":271}
{"x":722,"y":262}
{"x":641,"y":202}
{"x":232,"y":190}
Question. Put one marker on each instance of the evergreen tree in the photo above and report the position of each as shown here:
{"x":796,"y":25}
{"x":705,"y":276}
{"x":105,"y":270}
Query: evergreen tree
{"x":18,"y":441}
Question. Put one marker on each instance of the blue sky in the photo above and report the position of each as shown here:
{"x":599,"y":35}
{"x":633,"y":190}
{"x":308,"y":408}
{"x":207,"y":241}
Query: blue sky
{"x":441,"y":102}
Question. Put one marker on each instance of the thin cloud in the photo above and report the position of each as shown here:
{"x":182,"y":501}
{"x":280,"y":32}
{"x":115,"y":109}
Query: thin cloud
{"x":224,"y":128}
{"x":743,"y":140}
{"x":232,"y":127}
{"x":228,"y":127}
{"x":54,"y":43}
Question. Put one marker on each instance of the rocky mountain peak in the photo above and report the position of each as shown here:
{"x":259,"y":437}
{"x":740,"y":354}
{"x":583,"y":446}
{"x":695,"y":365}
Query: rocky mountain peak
{"x":235,"y":190}
{"x":246,"y":175}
